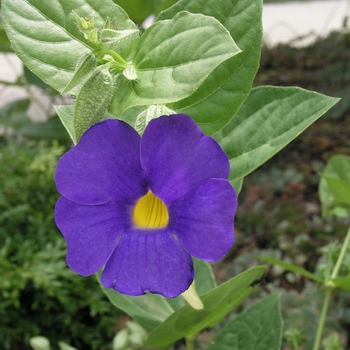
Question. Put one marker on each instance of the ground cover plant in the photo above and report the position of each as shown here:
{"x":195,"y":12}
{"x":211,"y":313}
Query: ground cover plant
{"x":244,"y":151}
{"x":38,"y":293}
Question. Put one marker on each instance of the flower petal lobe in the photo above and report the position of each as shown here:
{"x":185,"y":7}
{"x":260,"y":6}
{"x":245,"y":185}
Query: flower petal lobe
{"x":176,"y":155}
{"x":104,"y":165}
{"x":203,"y":219}
{"x":91,"y":232}
{"x":149,"y":262}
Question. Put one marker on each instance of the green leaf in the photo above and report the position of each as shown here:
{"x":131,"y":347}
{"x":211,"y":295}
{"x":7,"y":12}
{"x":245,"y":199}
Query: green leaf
{"x":295,"y":337}
{"x":204,"y":276}
{"x":161,"y":5}
{"x":50,"y":129}
{"x":334,"y":188}
{"x":117,"y":40}
{"x":83,"y":69}
{"x":45,"y":35}
{"x":5,"y":45}
{"x":291,"y":267}
{"x":174,"y":58}
{"x":340,"y":190}
{"x":269,"y":119}
{"x":65,"y":114}
{"x":342,"y":283}
{"x":256,"y":328}
{"x":217,"y":302}
{"x":138,"y":10}
{"x":237,"y":185}
{"x":219,"y":98}
{"x":9,"y":111}
{"x":33,"y":79}
{"x":333,"y":342}
{"x":92,"y":101}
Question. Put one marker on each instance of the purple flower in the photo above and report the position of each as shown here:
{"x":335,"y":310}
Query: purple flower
{"x":141,"y":206}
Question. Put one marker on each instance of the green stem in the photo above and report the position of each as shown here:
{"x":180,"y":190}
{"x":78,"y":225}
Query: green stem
{"x":190,"y":342}
{"x":117,"y":57}
{"x":322,"y":318}
{"x":329,"y":289}
{"x":341,"y":255}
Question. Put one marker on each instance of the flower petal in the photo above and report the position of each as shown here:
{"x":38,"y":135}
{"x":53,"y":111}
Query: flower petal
{"x":176,"y":155}
{"x":91,"y":232}
{"x":149,"y":261}
{"x":202,"y":219}
{"x":104,"y":165}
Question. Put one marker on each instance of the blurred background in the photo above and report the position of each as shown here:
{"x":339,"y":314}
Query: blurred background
{"x":306,"y":44}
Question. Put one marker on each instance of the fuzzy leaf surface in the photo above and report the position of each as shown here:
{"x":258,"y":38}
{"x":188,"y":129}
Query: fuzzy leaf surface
{"x":45,"y":35}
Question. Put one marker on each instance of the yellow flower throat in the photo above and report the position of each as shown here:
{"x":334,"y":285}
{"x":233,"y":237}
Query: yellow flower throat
{"x":150,"y":212}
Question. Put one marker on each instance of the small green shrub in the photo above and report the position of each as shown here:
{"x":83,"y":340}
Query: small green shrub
{"x":39,"y":295}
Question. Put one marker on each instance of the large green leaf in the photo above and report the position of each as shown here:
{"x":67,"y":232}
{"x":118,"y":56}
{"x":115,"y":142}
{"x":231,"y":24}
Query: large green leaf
{"x":269,"y":119}
{"x":45,"y":35}
{"x":334,"y":188}
{"x":174,"y":58}
{"x":218,"y":99}
{"x":217,"y":302}
{"x":256,"y":328}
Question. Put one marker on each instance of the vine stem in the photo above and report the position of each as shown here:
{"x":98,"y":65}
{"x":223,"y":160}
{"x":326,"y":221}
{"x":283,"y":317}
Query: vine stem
{"x":322,"y":318}
{"x":329,"y":289}
{"x":341,"y":255}
{"x":190,"y":342}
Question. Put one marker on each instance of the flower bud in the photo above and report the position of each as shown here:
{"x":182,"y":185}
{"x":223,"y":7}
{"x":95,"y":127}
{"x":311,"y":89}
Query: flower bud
{"x":39,"y":343}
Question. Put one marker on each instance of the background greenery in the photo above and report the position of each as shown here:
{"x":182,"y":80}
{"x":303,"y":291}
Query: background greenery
{"x":279,"y":215}
{"x":38,"y":294}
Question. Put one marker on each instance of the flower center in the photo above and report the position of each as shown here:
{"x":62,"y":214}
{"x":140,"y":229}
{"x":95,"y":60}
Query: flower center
{"x":150,"y":212}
